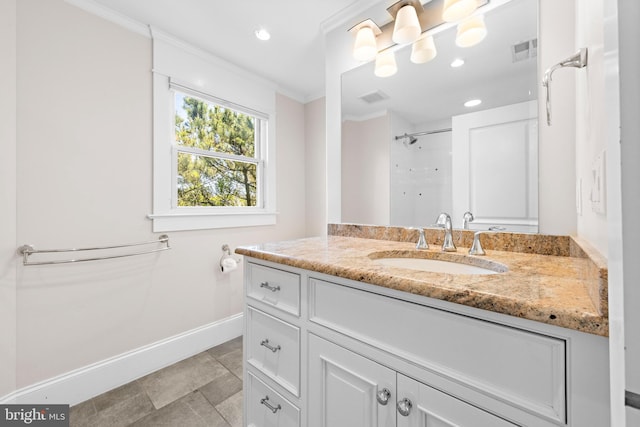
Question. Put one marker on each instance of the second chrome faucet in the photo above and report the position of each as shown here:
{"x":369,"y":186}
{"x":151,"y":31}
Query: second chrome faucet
{"x":444,"y":221}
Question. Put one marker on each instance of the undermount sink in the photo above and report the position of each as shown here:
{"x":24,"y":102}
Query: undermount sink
{"x":421,"y":261}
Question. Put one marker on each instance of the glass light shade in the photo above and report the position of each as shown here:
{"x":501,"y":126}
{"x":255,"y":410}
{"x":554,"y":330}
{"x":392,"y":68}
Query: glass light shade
{"x":456,"y":10}
{"x":471,"y":32}
{"x":385,"y":64}
{"x":423,"y":50}
{"x":407,"y":27}
{"x":365,"y":48}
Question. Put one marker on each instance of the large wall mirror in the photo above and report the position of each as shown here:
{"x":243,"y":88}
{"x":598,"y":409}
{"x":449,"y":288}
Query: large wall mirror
{"x":412,"y":149}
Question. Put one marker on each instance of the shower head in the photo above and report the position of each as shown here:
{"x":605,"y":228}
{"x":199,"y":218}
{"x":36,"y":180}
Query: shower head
{"x":408,"y":139}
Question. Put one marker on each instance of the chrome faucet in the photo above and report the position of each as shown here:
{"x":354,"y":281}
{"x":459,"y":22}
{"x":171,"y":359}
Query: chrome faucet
{"x":466,"y":219}
{"x":444,"y":221}
{"x":476,"y":247}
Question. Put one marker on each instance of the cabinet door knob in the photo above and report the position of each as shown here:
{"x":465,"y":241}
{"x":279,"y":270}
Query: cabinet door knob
{"x":271,"y":288}
{"x":383,"y":396}
{"x":404,"y":407}
{"x":265,"y":343}
{"x":265,"y":402}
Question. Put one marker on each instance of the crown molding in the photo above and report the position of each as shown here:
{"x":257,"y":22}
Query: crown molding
{"x":111,"y":15}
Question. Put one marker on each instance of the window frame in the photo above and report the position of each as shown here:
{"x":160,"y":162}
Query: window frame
{"x":261,"y":144}
{"x":178,"y":64}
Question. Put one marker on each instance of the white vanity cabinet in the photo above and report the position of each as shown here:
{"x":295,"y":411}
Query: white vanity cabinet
{"x":322,"y":351}
{"x":350,"y":390}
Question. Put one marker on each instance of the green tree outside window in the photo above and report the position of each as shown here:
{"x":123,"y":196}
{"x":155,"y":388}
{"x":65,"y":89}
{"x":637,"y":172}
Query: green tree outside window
{"x":217,"y":163}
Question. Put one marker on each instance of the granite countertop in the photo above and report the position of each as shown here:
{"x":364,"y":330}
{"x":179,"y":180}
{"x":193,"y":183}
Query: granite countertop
{"x":546,"y":288}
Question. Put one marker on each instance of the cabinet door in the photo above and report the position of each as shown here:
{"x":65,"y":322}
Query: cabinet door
{"x":346,"y":389}
{"x":427,"y":407}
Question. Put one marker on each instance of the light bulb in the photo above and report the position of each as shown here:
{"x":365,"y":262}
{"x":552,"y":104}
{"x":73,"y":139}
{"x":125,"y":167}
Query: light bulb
{"x":423,"y":50}
{"x":471,"y":32}
{"x":407,"y":26}
{"x":365,"y":48}
{"x":456,"y":10}
{"x":385,"y":64}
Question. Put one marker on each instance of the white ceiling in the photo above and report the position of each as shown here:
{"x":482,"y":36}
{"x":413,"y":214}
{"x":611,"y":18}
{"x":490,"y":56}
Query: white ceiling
{"x":293,"y":58}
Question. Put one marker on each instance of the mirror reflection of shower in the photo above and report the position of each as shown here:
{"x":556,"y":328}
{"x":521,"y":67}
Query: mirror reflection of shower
{"x":420,"y":176}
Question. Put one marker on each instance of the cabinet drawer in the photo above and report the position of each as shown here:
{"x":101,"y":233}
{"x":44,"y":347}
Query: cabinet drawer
{"x":273,"y":347}
{"x":265,"y":407}
{"x":277,"y":288}
{"x":523,"y":368}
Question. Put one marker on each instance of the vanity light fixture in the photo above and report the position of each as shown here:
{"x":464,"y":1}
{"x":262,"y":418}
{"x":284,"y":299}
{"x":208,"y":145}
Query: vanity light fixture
{"x":457,"y":10}
{"x":473,"y":103}
{"x":415,"y":23}
{"x":262,"y":34}
{"x":471,"y":31}
{"x":386,"y":64}
{"x":423,"y":50}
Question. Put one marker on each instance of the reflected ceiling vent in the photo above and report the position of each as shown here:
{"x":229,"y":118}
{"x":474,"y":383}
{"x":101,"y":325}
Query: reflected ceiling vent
{"x":524,"y":50}
{"x":373,"y":97}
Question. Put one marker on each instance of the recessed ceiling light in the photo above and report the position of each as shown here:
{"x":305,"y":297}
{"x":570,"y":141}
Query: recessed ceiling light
{"x":473,"y":103}
{"x":263,"y":34}
{"x":457,"y":63}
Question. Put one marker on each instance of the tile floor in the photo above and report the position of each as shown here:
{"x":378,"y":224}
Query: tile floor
{"x":203,"y":390}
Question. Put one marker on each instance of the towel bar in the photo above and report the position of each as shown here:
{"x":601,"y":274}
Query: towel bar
{"x":28,"y":250}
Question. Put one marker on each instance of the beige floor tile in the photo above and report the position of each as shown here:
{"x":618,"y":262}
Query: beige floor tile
{"x":231,"y":410}
{"x":80,"y":415}
{"x":193,"y":410}
{"x":227,"y":347}
{"x":221,"y":388}
{"x":116,"y":395}
{"x":124,"y":413}
{"x":180,"y":379}
{"x":233,"y":362}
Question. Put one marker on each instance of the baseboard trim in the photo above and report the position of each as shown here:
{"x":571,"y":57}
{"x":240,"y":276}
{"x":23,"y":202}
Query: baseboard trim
{"x":87,"y":382}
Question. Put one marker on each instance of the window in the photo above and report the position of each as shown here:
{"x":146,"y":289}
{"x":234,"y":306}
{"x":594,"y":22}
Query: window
{"x":218,"y":152}
{"x":213,"y":142}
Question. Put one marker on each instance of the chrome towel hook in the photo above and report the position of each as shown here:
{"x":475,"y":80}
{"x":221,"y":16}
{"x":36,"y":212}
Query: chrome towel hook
{"x":578,"y":60}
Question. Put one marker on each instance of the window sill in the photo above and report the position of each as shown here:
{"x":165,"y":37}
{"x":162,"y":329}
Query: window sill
{"x":199,"y":221}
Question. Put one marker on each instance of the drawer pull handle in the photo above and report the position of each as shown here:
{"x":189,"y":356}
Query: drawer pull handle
{"x":265,"y":343}
{"x":383,"y":396}
{"x":271,"y":288}
{"x":404,"y":407}
{"x":265,"y":402}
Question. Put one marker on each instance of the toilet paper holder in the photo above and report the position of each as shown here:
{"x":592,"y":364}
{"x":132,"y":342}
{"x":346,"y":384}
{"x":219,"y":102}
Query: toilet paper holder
{"x":227,"y":262}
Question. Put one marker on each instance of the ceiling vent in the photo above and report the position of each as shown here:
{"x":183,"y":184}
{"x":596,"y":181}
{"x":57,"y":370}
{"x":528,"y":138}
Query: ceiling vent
{"x":373,"y":97}
{"x":524,"y":50}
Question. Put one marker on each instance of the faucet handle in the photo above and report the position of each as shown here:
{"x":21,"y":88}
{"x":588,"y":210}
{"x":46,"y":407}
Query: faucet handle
{"x":476,"y":247}
{"x":422,"y":240}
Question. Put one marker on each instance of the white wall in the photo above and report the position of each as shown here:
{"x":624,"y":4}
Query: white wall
{"x":591,"y":119}
{"x":7,"y":196}
{"x":84,"y":173}
{"x":316,"y":167}
{"x":556,"y":203}
{"x":365,"y":170}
